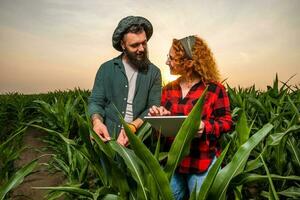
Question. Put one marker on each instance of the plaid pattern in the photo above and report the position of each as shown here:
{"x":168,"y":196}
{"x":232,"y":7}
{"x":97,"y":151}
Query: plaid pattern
{"x":216,"y":117}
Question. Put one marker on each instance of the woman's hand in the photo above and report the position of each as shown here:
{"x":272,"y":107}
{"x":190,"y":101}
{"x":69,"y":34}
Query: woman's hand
{"x":200,"y":130}
{"x":158,"y":111}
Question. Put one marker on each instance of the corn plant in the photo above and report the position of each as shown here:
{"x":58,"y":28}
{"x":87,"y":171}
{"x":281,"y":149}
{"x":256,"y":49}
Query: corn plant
{"x":58,"y":120}
{"x":136,"y":173}
{"x":15,"y":111}
{"x":9,"y":176}
{"x":279,"y":106}
{"x":260,"y":159}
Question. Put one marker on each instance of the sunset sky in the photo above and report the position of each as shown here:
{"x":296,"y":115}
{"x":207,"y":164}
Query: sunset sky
{"x":48,"y":45}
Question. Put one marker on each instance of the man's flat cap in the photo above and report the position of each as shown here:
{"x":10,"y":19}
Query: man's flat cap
{"x":125,"y":24}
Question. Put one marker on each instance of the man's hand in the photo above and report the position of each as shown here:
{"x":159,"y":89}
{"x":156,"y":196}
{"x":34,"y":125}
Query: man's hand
{"x":101,"y":130}
{"x":201,"y":129}
{"x":158,"y":111}
{"x":122,"y":138}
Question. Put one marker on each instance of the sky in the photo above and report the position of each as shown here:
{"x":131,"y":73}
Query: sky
{"x":48,"y":45}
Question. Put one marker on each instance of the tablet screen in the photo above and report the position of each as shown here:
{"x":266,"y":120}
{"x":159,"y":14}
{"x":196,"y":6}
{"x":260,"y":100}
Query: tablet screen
{"x":168,"y":125}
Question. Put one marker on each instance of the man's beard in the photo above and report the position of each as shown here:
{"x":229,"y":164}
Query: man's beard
{"x":140,"y":63}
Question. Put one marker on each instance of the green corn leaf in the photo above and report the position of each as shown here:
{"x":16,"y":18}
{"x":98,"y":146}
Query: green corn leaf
{"x":61,"y":165}
{"x":293,"y":192}
{"x":152,"y":187}
{"x":258,"y":104}
{"x":69,"y":189}
{"x":250,"y":177}
{"x":294,"y":150}
{"x":281,"y":102}
{"x":272,"y":190}
{"x":119,"y":180}
{"x":235,"y":112}
{"x":162,"y":156}
{"x":265,"y":194}
{"x":293,"y":121}
{"x":88,"y":133}
{"x":280,"y":155}
{"x":132,"y":163}
{"x":212,"y":173}
{"x":253,"y":164}
{"x":111,"y":197}
{"x":103,"y":191}
{"x":235,"y":98}
{"x":242,"y":128}
{"x":181,"y":144}
{"x":157,"y":148}
{"x":152,"y":165}
{"x":17,"y":178}
{"x":275,"y":87}
{"x":240,"y":100}
{"x":279,"y":141}
{"x":88,"y":152}
{"x":88,"y":129}
{"x":294,"y":108}
{"x":14,"y":135}
{"x":275,"y":138}
{"x":193,"y":195}
{"x":105,"y":148}
{"x":66,"y":140}
{"x":236,"y":166}
{"x":238,"y":193}
{"x":144,"y":131}
{"x":54,"y":195}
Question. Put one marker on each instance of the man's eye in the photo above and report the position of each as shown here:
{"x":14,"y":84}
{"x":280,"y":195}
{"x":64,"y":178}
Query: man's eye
{"x":134,"y":45}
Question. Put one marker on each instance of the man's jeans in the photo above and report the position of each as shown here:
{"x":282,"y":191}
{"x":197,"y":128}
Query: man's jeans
{"x":181,"y":182}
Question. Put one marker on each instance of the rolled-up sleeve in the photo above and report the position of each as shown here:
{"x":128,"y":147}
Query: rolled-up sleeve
{"x":221,"y":121}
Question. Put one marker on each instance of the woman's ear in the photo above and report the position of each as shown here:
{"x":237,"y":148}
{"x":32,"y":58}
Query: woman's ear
{"x":190,"y":63}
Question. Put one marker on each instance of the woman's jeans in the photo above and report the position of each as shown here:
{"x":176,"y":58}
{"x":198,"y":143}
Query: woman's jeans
{"x":180,"y":183}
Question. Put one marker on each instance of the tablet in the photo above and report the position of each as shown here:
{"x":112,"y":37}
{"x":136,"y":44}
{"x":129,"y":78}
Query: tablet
{"x":168,"y":125}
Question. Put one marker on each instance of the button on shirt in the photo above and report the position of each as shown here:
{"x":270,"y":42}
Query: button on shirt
{"x":131,"y":74}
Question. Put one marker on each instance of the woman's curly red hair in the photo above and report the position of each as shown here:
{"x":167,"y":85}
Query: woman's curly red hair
{"x":202,"y":62}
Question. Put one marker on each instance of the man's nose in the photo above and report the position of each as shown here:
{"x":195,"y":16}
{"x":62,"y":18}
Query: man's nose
{"x":141,"y":48}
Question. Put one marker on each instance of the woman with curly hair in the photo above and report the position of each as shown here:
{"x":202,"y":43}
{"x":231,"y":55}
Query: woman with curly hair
{"x":193,"y":60}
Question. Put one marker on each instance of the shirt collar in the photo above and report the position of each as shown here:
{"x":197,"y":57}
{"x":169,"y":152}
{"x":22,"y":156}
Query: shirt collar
{"x":118,"y":60}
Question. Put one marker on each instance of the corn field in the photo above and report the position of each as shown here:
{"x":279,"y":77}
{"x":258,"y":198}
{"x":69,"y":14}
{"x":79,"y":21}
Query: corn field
{"x":260,"y":157}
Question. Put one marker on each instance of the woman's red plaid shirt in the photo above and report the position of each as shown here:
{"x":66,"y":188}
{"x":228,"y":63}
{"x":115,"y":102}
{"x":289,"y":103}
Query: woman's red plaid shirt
{"x":216,"y":117}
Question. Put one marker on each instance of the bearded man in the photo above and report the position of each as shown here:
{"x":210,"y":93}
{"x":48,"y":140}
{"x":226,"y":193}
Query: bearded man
{"x":130,"y":82}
